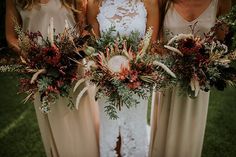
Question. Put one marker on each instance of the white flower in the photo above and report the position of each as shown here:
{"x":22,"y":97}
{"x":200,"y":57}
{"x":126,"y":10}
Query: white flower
{"x":90,"y":64}
{"x":35,"y":76}
{"x":163,"y":66}
{"x":173,"y":49}
{"x":146,"y":42}
{"x":180,"y":36}
{"x":116,"y":62}
{"x":51,"y":31}
{"x":66,"y":24}
{"x":80,"y":95}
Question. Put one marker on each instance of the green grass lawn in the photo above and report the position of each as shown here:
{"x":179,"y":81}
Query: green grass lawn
{"x":19,"y":132}
{"x":220,"y":136}
{"x":20,"y":137}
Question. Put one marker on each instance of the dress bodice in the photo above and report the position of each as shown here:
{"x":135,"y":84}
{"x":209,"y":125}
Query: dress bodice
{"x":174,"y":23}
{"x":38,"y":18}
{"x":125,"y":15}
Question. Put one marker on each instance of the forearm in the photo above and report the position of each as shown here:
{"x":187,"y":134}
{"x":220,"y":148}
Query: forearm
{"x":80,"y":17}
{"x":12,"y":18}
{"x":153,"y":17}
{"x":13,"y":45}
{"x":93,"y":9}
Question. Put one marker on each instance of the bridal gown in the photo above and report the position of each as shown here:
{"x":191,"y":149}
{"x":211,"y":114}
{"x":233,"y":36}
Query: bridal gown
{"x":126,"y":16}
{"x":65,"y":132}
{"x":178,"y":122}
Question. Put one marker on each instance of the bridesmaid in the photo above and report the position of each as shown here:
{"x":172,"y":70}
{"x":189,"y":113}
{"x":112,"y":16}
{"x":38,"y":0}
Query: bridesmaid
{"x":64,"y":132}
{"x":178,"y":122}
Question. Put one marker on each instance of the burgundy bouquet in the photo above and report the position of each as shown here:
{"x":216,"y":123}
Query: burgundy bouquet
{"x":49,"y":65}
{"x":200,"y":63}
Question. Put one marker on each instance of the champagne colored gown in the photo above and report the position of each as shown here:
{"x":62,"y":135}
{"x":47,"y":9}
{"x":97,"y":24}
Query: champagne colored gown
{"x":178,"y":122}
{"x":65,"y":132}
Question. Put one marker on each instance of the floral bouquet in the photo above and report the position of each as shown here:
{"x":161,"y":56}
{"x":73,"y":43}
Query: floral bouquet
{"x":201,"y":63}
{"x":49,"y":65}
{"x":225,"y":29}
{"x":121,"y":67}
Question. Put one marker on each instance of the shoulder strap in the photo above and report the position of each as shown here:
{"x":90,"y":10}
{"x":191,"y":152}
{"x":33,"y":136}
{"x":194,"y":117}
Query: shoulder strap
{"x":163,"y":7}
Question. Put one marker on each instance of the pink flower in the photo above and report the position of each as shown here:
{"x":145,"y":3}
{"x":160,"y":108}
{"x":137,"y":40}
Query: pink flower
{"x":52,"y":89}
{"x":60,"y":83}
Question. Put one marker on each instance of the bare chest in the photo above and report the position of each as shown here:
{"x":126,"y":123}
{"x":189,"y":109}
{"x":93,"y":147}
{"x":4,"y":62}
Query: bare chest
{"x":192,"y":10}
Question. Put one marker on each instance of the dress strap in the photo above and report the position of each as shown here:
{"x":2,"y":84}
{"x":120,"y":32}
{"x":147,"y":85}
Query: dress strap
{"x":216,"y":4}
{"x":211,"y":10}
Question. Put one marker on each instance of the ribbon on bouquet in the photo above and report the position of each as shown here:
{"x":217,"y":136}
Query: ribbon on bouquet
{"x":194,"y":84}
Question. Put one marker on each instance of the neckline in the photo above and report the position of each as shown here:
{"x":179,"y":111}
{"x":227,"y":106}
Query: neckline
{"x":197,"y":18}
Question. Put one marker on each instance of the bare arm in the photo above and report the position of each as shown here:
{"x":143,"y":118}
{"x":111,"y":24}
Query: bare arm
{"x":224,"y":7}
{"x":11,"y":15}
{"x":152,"y":16}
{"x":80,"y":16}
{"x":93,"y":10}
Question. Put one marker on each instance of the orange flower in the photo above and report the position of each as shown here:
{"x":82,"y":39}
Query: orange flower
{"x":124,"y":73}
{"x":134,"y":85}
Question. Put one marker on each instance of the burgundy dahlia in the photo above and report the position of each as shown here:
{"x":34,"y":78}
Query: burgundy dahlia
{"x":189,"y":46}
{"x":52,"y":55}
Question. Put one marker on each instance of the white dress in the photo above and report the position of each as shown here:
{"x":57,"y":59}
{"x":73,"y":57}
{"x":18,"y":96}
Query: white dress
{"x":126,"y":16}
{"x":178,"y":122}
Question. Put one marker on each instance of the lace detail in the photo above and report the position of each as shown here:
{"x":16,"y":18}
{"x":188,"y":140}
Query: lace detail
{"x":134,"y":137}
{"x":125,"y":15}
{"x":109,"y":132}
{"x":131,"y":126}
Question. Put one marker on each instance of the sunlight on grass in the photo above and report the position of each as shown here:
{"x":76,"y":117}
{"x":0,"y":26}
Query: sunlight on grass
{"x":19,"y":132}
{"x":14,"y":124}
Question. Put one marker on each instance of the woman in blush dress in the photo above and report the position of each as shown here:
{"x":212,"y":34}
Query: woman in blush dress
{"x":126,"y":136}
{"x":65,"y":132}
{"x":178,"y":121}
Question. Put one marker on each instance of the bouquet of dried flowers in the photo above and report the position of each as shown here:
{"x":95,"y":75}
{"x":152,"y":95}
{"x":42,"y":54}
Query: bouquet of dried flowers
{"x":225,"y":29}
{"x":121,"y":67}
{"x":49,"y":65}
{"x":200,"y":63}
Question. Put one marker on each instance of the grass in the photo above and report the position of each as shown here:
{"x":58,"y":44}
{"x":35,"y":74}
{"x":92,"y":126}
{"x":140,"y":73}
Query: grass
{"x":19,"y":132}
{"x":20,"y":137}
{"x":220,"y":136}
